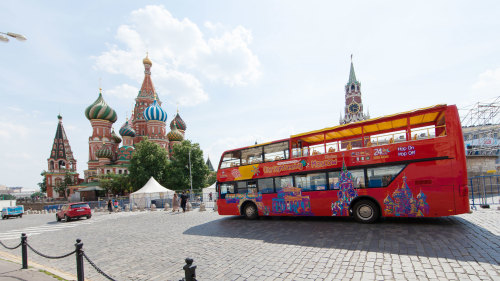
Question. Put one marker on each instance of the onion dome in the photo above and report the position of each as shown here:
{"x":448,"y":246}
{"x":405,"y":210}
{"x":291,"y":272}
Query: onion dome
{"x":104,"y":152}
{"x":175,"y":134}
{"x":126,"y":130}
{"x":100,"y":110}
{"x":115,"y":137}
{"x":181,"y":125}
{"x":146,"y":60}
{"x":155,"y":112}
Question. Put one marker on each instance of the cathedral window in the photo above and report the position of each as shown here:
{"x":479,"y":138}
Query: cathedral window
{"x":51,"y":164}
{"x":353,"y":87}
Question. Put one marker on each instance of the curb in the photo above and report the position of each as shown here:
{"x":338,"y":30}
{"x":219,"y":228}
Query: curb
{"x":31,"y":264}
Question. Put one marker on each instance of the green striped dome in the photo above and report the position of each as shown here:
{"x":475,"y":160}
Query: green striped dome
{"x":104,"y":152}
{"x":100,"y":110}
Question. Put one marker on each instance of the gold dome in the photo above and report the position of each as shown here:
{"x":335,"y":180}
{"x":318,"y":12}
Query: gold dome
{"x":146,"y":60}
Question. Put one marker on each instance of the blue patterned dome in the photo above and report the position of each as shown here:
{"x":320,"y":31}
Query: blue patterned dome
{"x":126,"y":130}
{"x":155,"y":112}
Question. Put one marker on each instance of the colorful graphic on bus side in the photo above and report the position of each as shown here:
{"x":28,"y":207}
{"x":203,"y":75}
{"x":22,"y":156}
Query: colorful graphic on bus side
{"x":290,"y":201}
{"x":346,"y":193}
{"x":404,"y":204}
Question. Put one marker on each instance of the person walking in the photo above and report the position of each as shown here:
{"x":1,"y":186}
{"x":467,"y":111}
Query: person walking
{"x":183,"y":201}
{"x":175,"y":203}
{"x":110,"y":206}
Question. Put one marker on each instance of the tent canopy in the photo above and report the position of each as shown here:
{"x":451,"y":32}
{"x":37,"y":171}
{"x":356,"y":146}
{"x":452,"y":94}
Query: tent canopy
{"x":150,"y":191}
{"x":152,"y":186}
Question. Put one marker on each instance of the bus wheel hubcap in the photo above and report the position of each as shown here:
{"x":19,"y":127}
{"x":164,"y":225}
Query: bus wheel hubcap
{"x":365,"y":212}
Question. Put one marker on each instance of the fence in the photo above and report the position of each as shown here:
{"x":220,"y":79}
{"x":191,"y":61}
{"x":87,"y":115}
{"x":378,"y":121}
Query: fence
{"x":189,"y":268}
{"x":484,"y":190}
{"x":124,"y":202}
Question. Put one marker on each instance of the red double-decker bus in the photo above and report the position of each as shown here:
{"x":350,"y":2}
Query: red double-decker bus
{"x":410,"y":164}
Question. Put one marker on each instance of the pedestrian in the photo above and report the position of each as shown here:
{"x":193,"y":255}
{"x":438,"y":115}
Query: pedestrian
{"x":183,"y":201}
{"x":210,"y":196}
{"x":175,"y":203}
{"x":110,"y":206}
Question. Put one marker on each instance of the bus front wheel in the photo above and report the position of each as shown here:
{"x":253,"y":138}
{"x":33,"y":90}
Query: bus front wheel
{"x":250,"y":211}
{"x":365,"y":211}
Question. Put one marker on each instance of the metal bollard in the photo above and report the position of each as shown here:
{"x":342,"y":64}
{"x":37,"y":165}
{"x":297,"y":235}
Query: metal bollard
{"x":24,"y":250}
{"x":79,"y":260}
{"x":189,"y":270}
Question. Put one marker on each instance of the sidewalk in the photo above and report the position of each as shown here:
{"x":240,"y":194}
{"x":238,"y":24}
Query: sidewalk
{"x":10,"y":270}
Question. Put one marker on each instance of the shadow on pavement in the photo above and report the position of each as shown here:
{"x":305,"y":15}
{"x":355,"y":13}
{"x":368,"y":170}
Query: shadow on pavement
{"x":447,"y":237}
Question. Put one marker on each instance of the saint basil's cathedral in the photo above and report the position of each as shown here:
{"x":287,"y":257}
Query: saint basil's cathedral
{"x":108,"y":152}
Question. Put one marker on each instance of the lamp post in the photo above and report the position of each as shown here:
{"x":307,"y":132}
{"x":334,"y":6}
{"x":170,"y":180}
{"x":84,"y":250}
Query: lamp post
{"x":190,"y":176}
{"x":5,"y":39}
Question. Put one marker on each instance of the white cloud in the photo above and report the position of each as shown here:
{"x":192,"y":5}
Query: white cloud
{"x":124,"y":91}
{"x":11,"y":130}
{"x":487,"y":84}
{"x":181,"y":55}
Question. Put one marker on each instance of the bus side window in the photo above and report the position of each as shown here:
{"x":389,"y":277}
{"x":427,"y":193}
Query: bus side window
{"x":382,"y":176}
{"x":282,"y":182}
{"x":333,"y":179}
{"x":266,"y":185}
{"x":358,"y":178}
{"x":226,"y":188}
{"x":242,"y":187}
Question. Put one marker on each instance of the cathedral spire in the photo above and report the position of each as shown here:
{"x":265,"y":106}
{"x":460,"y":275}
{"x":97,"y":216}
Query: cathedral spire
{"x":352,"y":75}
{"x":147,"y":88}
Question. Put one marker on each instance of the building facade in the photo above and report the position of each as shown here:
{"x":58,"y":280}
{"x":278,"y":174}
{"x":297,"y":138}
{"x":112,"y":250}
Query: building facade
{"x":60,"y":163}
{"x":148,"y":120}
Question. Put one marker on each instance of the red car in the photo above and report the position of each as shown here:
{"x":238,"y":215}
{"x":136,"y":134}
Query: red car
{"x":74,"y":211}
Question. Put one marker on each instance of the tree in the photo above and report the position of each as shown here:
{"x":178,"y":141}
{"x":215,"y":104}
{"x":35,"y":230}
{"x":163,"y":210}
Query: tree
{"x":149,"y":160}
{"x":211,"y":178}
{"x":43,"y":184}
{"x":115,"y":183}
{"x":63,"y":185}
{"x":178,"y":177}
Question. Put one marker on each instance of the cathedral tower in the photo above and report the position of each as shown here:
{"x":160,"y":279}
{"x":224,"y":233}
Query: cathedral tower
{"x":60,"y":162}
{"x":143,"y":100}
{"x":155,"y":118}
{"x":101,"y":117}
{"x":353,"y":105}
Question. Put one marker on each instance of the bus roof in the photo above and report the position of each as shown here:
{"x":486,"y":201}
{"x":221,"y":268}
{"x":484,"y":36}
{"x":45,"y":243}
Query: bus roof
{"x":399,"y":120}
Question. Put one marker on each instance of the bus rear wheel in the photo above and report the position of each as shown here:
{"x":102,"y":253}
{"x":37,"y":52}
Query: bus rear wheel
{"x":365,"y":211}
{"x":250,"y":211}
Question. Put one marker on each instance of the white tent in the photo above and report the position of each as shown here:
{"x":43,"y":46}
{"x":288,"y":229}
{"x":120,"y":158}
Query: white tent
{"x":152,"y":190}
{"x":206,"y":195}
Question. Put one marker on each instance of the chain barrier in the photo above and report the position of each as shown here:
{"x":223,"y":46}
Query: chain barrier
{"x":50,"y":257}
{"x":10,"y":248}
{"x":189,"y":268}
{"x":97,"y":268}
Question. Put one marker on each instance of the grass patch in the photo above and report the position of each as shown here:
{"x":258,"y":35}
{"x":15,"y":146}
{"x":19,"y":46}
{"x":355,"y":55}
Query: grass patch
{"x":53,"y":275}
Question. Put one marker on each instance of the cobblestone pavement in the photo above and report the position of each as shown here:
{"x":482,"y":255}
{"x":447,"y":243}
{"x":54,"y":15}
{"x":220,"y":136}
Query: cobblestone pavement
{"x":153,"y":245}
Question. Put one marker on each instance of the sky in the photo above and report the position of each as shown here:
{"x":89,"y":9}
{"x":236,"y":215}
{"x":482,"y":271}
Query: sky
{"x":237,"y":71}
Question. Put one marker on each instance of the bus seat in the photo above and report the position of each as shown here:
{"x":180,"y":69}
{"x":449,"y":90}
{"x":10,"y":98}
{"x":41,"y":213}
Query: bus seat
{"x":391,"y":140}
{"x":349,"y":146}
{"x":415,"y":136}
{"x":331,"y":149}
{"x":368,"y":144}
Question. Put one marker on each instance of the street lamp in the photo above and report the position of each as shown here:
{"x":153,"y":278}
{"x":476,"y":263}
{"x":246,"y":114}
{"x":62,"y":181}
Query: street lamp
{"x":190,"y":176}
{"x":5,"y":39}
